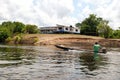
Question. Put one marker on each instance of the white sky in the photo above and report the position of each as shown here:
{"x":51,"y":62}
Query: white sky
{"x":52,"y":12}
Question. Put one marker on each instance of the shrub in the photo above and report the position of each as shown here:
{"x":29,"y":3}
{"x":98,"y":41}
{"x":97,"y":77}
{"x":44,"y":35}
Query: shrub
{"x":17,"y":39}
{"x":8,"y":39}
{"x":4,"y":34}
{"x":35,"y":39}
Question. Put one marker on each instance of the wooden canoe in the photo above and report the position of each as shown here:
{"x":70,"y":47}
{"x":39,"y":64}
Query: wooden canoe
{"x":63,"y":47}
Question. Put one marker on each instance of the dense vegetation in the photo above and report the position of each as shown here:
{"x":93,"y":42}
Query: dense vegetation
{"x":11,"y":29}
{"x":97,"y":26}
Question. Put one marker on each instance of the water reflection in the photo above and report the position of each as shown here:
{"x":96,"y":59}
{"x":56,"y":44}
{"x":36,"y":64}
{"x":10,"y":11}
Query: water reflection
{"x":87,"y":60}
{"x":10,"y":56}
{"x":47,"y":63}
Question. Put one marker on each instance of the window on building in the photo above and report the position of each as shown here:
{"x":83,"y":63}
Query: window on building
{"x":60,"y":28}
{"x":66,"y":28}
{"x":76,"y":30}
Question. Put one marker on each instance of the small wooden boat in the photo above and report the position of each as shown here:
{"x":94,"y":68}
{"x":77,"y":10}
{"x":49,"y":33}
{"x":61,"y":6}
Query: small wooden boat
{"x":63,"y":47}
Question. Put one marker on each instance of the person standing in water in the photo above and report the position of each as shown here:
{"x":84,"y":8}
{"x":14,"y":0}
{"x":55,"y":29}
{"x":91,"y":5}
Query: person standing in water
{"x":96,"y":49}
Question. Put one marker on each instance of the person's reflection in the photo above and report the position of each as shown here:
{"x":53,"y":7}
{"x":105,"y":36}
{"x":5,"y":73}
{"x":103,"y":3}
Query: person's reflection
{"x":89,"y":62}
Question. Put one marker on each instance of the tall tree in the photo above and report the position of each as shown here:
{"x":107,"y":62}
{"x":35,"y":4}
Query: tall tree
{"x":19,"y":27}
{"x":31,"y":29}
{"x":104,"y":29}
{"x":9,"y":25}
{"x":89,"y":25}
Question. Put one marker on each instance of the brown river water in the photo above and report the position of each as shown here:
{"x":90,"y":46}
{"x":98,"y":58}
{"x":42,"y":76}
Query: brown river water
{"x":50,"y":63}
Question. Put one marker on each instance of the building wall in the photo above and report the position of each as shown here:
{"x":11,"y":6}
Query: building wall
{"x":59,"y":29}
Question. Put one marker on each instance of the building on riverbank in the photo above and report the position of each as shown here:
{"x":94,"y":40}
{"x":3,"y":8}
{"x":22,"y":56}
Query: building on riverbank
{"x":59,"y":29}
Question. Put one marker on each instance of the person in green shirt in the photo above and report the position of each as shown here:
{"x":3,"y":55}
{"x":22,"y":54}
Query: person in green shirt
{"x":96,"y":48}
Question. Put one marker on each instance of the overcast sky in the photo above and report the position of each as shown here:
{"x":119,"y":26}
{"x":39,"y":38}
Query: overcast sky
{"x":52,"y":12}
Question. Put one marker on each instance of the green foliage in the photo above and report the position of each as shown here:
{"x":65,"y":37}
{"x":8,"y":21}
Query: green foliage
{"x":9,"y":29}
{"x":4,"y":34}
{"x":89,"y":25}
{"x":17,"y":39}
{"x":9,"y":25}
{"x":36,"y":39}
{"x":8,"y":39}
{"x":13,"y":27}
{"x":78,"y":25}
{"x":31,"y":29}
{"x":19,"y":27}
{"x":116,"y":34}
{"x":104,"y":30}
{"x":97,"y":26}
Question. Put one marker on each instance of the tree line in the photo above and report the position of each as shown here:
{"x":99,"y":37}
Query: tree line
{"x":9,"y":29}
{"x":97,"y":26}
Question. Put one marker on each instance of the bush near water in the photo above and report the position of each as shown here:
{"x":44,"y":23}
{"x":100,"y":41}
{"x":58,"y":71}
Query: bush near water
{"x":9,"y":30}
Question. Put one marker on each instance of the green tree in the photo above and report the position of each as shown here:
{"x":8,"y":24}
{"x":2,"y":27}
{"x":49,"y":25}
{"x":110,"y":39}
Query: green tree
{"x":116,"y":34}
{"x":19,"y":27}
{"x":9,"y":29}
{"x":89,"y":25}
{"x":78,"y":25}
{"x":9,"y":25}
{"x":31,"y":29}
{"x":104,"y":29}
{"x":4,"y":34}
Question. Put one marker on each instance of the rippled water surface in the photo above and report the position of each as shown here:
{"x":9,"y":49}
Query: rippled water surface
{"x":50,"y":63}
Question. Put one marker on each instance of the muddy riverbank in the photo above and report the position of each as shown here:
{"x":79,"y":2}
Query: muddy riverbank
{"x":53,"y":39}
{"x":67,"y":39}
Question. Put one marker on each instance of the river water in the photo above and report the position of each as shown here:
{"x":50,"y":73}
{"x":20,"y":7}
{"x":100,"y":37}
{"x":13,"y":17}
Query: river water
{"x":50,"y":63}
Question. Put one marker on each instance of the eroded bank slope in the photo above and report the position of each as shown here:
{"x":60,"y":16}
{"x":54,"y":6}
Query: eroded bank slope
{"x":53,"y":39}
